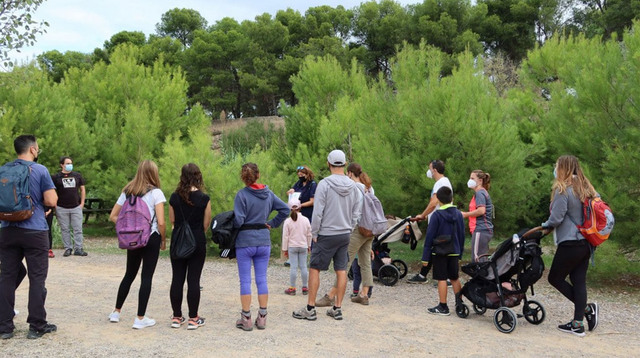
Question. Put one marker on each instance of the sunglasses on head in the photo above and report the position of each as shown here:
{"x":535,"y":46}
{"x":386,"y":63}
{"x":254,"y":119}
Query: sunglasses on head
{"x":300,"y":168}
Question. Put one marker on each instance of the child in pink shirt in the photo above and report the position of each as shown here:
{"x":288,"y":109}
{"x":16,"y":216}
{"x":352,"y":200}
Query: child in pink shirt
{"x":296,"y":243}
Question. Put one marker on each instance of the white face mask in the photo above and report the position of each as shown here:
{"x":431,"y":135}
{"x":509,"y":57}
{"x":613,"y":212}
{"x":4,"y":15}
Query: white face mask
{"x":429,"y":174}
{"x":472,"y":184}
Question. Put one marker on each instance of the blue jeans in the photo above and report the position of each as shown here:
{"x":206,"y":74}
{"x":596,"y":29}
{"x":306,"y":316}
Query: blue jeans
{"x":259,"y":256}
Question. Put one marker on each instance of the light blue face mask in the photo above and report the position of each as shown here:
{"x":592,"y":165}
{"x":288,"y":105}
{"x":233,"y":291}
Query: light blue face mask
{"x":555,"y":173}
{"x":68,"y":167}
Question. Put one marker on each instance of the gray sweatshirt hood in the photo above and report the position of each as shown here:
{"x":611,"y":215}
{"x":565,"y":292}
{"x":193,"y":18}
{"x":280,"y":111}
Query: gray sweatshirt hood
{"x":341,"y":184}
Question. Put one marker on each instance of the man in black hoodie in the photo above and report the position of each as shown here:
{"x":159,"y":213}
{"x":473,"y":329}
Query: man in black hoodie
{"x":446,"y":230}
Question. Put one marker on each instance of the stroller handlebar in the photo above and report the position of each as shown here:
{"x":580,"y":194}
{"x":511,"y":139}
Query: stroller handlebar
{"x":544,"y":230}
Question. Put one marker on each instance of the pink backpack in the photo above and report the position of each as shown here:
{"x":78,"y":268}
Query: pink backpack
{"x":133,"y":226}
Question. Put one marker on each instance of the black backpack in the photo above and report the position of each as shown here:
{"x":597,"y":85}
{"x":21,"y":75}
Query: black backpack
{"x":223,"y":233}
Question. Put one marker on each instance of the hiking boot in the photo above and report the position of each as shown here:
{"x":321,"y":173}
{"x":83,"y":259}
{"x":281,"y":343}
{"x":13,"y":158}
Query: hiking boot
{"x":591,"y":315}
{"x":244,"y":323}
{"x":114,"y":317}
{"x":325,"y":301}
{"x":417,"y":279}
{"x":67,"y":252}
{"x":291,"y":291}
{"x":363,"y":300}
{"x":48,"y":328}
{"x":305,"y":291}
{"x":143,"y":323}
{"x":303,"y":313}
{"x":176,"y":322}
{"x":573,"y":327}
{"x":336,"y":313}
{"x":261,"y":321}
{"x":194,"y":323}
{"x":51,"y":254}
{"x":439,"y":310}
{"x":80,"y":252}
{"x":6,"y":335}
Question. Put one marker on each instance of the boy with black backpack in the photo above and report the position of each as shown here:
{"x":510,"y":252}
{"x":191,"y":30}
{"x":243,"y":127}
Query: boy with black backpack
{"x":443,"y":247}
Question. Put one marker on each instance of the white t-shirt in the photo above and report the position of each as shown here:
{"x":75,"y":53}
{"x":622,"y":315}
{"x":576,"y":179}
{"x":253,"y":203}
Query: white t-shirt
{"x":153,"y":197}
{"x":444,"y":181}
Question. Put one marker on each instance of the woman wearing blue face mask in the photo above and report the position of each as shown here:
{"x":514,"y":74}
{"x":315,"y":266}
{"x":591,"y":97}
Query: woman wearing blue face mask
{"x":480,"y":215}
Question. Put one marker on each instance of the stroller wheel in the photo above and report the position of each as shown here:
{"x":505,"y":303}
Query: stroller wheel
{"x":533,"y":312}
{"x":479,"y":309}
{"x":462,"y":310}
{"x":388,"y":275}
{"x":401,"y":266}
{"x":505,"y":320}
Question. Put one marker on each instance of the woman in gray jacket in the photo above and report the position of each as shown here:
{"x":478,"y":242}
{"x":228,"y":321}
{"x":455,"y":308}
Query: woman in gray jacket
{"x":570,"y":189}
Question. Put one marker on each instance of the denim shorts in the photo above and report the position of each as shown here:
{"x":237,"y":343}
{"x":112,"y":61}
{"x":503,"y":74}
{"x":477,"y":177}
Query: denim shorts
{"x":327,"y":248}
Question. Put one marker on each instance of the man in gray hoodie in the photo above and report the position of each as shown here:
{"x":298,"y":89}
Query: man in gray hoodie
{"x":336,"y":210}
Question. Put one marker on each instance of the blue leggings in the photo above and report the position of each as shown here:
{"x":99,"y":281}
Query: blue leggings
{"x":259,"y":255}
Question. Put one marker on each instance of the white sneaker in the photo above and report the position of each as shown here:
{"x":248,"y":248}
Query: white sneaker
{"x":15,"y":312}
{"x":114,"y":316}
{"x":143,"y":323}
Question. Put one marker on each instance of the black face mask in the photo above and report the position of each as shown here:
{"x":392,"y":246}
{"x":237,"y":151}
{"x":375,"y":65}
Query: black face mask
{"x":35,"y":160}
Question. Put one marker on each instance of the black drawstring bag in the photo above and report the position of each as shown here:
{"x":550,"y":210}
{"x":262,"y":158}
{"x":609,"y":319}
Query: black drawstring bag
{"x":183,"y":243}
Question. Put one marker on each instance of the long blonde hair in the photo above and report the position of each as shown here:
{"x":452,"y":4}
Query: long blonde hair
{"x":146,"y":178}
{"x":569,"y":173}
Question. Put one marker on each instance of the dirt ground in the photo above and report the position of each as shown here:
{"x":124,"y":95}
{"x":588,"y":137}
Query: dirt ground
{"x":82,"y":290}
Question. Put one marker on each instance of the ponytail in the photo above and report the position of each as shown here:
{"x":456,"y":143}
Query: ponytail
{"x":356,"y":169}
{"x":485,"y":177}
{"x":294,"y":215}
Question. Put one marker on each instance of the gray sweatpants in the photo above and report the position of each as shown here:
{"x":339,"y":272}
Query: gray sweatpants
{"x":70,"y":219}
{"x":480,"y":245}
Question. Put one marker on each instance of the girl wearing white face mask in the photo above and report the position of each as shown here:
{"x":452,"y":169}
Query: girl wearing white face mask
{"x":480,"y":215}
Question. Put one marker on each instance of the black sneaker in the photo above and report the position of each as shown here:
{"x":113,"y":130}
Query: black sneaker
{"x":48,"y":328}
{"x":67,"y":252}
{"x":571,"y":328}
{"x":439,"y":310}
{"x":591,"y":315}
{"x":417,"y":279}
{"x":80,"y":252}
{"x":6,"y":335}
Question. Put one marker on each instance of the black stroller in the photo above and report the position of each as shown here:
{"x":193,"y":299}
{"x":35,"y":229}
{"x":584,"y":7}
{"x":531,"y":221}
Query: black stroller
{"x":502,"y":282}
{"x":389,"y":271}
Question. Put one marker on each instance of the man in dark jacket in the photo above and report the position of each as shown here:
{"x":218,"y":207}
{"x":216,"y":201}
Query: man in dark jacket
{"x":445,"y":223}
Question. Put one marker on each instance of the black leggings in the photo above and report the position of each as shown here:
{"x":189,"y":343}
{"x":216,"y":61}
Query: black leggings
{"x":190,"y":268}
{"x":572,"y":259}
{"x":148,"y":256}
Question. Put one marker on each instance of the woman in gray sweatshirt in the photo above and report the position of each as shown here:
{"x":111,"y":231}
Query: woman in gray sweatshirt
{"x":570,"y":189}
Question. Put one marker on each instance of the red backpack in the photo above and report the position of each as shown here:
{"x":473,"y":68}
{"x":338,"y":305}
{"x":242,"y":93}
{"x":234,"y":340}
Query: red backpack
{"x":598,"y":221}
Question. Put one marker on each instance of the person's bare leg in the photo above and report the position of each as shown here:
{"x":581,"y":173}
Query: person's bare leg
{"x":341,"y":277}
{"x":314,"y":284}
{"x":442,"y":291}
{"x":262,"y":300}
{"x":245,"y":300}
{"x":365,"y":291}
{"x":332,"y":292}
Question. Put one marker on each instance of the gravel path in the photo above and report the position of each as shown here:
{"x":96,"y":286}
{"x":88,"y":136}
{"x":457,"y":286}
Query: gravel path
{"x":82,"y":293}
